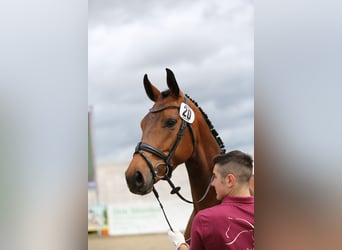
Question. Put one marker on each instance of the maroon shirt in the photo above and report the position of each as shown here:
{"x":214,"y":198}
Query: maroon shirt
{"x":229,"y":225}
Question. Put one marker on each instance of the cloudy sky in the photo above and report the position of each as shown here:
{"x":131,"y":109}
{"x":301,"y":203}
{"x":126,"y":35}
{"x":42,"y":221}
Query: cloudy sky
{"x":209,"y":45}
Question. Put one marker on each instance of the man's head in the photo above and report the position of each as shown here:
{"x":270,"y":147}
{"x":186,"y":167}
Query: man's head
{"x":232,"y":172}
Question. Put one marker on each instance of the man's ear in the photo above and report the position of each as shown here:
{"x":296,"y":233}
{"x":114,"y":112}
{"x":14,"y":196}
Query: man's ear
{"x":230,"y":180}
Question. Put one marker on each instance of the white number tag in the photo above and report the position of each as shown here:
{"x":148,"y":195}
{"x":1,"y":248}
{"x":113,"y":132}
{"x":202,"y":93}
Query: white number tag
{"x":186,"y":113}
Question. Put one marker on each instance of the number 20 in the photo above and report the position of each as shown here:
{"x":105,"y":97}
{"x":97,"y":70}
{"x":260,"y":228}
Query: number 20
{"x":186,"y":113}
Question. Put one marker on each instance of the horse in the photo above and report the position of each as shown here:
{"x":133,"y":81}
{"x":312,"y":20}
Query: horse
{"x":175,"y":131}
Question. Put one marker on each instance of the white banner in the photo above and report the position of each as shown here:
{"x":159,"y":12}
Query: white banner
{"x":147,"y":217}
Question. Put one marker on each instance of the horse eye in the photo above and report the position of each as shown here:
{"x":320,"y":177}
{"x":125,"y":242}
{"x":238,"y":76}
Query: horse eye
{"x":170,"y":123}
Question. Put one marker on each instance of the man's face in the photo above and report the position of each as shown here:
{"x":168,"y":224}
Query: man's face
{"x":219,"y":183}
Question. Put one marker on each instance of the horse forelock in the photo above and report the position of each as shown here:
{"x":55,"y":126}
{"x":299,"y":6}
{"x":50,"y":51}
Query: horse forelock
{"x":168,"y":92}
{"x":165,"y":93}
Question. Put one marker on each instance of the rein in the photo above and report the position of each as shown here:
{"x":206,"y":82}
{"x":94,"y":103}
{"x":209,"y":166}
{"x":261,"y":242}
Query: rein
{"x":176,"y":190}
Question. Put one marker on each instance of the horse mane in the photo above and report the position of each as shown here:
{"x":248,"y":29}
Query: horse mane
{"x":218,"y":139}
{"x":211,"y":126}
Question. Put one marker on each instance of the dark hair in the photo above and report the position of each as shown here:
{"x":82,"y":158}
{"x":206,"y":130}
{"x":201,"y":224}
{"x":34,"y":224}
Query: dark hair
{"x":235,"y":162}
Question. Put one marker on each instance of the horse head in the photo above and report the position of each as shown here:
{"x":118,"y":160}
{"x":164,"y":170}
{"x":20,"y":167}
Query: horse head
{"x":167,"y":137}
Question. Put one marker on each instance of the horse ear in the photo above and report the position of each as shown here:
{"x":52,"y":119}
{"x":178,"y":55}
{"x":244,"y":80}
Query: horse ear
{"x":151,"y":91}
{"x":172,"y":83}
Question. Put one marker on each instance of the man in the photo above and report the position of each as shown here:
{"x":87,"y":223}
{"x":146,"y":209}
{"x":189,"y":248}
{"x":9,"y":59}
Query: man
{"x":229,"y":225}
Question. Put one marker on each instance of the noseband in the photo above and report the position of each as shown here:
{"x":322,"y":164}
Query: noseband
{"x":141,"y":146}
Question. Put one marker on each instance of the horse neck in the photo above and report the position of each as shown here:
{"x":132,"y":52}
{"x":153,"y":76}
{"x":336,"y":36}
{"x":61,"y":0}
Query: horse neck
{"x":200,"y":167}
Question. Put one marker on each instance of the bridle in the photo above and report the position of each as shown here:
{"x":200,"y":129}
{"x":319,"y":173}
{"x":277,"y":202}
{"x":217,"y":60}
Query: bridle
{"x":142,"y":147}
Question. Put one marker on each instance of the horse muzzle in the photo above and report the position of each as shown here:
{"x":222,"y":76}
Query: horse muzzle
{"x":139,"y":182}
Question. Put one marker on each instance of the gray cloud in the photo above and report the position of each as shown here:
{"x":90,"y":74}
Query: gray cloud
{"x":209,"y":47}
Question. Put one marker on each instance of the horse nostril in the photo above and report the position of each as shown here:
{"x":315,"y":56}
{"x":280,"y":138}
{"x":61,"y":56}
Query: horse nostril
{"x":139,"y":179}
